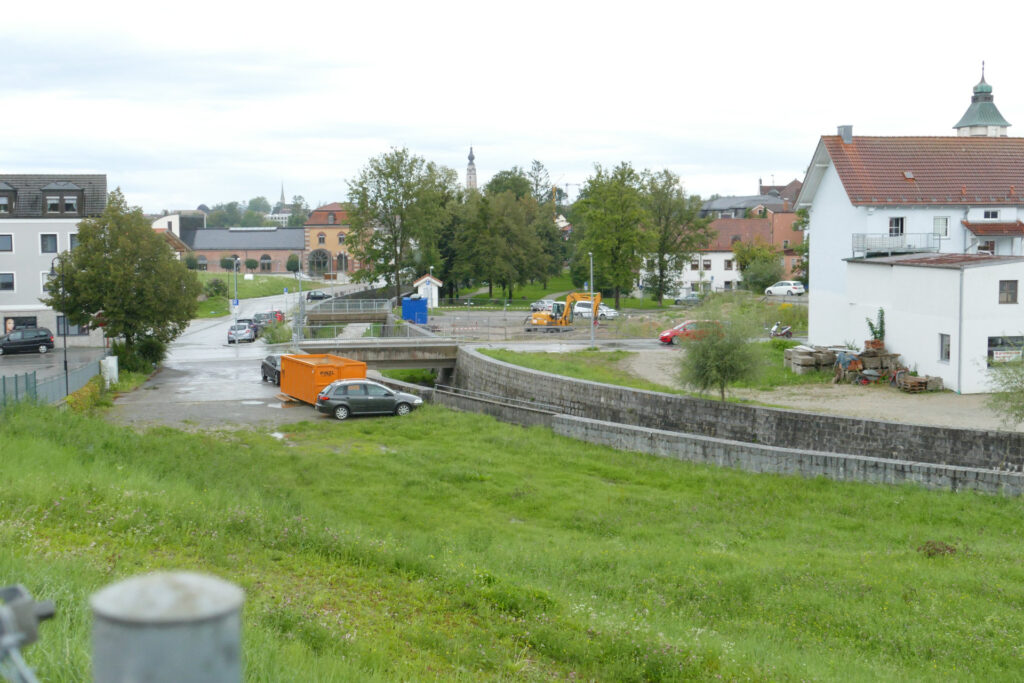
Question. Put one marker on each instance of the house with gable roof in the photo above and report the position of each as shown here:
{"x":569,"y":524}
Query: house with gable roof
{"x":930,"y":230}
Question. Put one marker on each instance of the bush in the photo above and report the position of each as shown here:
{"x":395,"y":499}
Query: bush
{"x":227,"y":263}
{"x":131,"y":362}
{"x":251,"y":264}
{"x":151,"y":350}
{"x":277,"y":333}
{"x":191,"y":262}
{"x":293,"y":263}
{"x":216,"y":287}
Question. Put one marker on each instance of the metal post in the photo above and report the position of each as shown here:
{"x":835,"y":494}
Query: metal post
{"x":173,"y":626}
{"x":235,"y":271}
{"x":592,"y":312}
{"x":64,"y":330}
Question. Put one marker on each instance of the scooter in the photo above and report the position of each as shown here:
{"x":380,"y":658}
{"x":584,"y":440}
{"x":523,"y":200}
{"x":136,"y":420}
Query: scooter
{"x":780,"y":330}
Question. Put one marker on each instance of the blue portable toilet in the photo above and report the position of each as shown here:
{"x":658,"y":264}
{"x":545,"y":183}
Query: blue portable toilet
{"x":414,"y":309}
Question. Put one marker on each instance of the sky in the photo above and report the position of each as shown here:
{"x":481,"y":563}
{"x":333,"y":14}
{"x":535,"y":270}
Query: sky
{"x":190,"y":103}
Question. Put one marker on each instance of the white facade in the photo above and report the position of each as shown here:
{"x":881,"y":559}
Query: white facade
{"x":715,"y":271}
{"x":939,"y":318}
{"x":428,"y":287}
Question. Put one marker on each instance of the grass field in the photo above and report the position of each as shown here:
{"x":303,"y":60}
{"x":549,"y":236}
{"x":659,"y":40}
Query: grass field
{"x":259,"y":286}
{"x":447,"y":546}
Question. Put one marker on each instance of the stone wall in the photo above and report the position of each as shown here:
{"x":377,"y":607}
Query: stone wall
{"x":778,"y":428}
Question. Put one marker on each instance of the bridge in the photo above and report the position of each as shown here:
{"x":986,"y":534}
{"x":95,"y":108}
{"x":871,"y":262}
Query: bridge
{"x":389,"y":352}
{"x":343,"y":311}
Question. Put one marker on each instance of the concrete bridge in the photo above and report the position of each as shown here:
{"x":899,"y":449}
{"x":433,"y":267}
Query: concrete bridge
{"x":390,"y":352}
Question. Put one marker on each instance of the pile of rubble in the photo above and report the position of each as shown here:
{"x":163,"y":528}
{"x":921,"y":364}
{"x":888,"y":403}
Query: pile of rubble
{"x":861,"y":367}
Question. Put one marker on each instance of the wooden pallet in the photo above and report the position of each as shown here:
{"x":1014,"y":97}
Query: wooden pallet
{"x":914,"y":385}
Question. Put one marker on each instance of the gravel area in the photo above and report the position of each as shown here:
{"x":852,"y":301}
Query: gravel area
{"x":943,"y":408}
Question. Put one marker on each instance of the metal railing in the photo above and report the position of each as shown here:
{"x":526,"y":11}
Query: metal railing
{"x":349,"y":305}
{"x":865,"y":244}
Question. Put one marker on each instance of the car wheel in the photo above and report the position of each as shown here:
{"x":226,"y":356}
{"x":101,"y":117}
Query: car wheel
{"x":403,"y":409}
{"x":602,"y":316}
{"x":790,"y":292}
{"x":767,"y":292}
{"x":675,"y":340}
{"x":341,"y":412}
{"x":263,"y":377}
{"x":42,"y":348}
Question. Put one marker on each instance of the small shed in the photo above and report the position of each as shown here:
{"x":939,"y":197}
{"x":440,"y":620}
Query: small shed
{"x":428,"y":287}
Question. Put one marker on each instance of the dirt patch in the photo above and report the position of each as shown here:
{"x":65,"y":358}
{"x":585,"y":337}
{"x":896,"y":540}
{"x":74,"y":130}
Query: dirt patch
{"x":943,"y":408}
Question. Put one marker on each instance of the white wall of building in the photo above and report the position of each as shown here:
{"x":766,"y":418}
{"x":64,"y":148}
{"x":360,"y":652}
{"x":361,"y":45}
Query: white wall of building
{"x":923,"y":302}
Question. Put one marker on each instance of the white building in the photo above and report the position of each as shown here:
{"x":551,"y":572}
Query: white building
{"x":39,"y":216}
{"x":428,"y":287}
{"x":871,"y":199}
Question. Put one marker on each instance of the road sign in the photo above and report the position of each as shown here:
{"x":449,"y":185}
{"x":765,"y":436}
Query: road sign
{"x":234,"y":302}
{"x":285,"y":290}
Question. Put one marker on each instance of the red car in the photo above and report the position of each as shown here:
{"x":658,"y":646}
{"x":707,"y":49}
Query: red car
{"x":688,"y":329}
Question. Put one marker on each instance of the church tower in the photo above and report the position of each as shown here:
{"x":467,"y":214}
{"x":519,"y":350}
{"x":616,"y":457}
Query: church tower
{"x":982,"y":119}
{"x":471,"y":171}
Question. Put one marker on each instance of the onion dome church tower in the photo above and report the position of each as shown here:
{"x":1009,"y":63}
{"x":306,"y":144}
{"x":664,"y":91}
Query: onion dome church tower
{"x":982,"y":119}
{"x":471,"y":171}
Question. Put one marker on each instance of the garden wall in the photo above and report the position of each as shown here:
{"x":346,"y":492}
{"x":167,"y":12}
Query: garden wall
{"x":786,"y":429}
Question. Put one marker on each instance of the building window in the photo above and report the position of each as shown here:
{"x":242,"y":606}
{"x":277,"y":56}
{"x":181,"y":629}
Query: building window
{"x":5,"y":205}
{"x":707,"y":264}
{"x":694,"y":265}
{"x":265,"y":263}
{"x":341,"y":238}
{"x":6,"y":242}
{"x":321,"y":238}
{"x":330,"y":219}
{"x":987,"y":247}
{"x":1004,"y":349}
{"x":6,"y":282}
{"x":991,"y":215}
{"x":785,"y":244}
{"x":71,"y":204}
{"x":944,"y":347}
{"x":1007,"y":291}
{"x":940,"y":226}
{"x":71,"y":331}
{"x":48,"y":243}
{"x":73,"y":240}
{"x":728,"y":264}
{"x":53,"y":204}
{"x":201,"y":263}
{"x":896,"y":226}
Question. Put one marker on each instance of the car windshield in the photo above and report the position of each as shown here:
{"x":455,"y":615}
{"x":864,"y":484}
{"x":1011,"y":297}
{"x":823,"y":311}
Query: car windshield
{"x":240,"y":327}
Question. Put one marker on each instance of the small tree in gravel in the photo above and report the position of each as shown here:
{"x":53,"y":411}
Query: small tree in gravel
{"x":722,"y":356}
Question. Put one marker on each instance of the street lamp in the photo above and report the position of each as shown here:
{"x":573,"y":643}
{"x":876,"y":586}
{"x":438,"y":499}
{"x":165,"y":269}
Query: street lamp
{"x":235,"y":271}
{"x":64,"y":330}
{"x":593,"y":312}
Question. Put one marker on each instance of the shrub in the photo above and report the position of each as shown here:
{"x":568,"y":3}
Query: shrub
{"x":191,"y":262}
{"x":131,"y":362}
{"x":277,"y":333}
{"x":216,"y":287}
{"x":227,"y":263}
{"x":151,"y":350}
{"x":251,"y":264}
{"x":293,"y":263}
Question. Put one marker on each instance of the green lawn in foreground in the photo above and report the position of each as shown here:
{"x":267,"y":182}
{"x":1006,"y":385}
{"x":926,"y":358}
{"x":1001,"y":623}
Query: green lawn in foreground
{"x":447,"y":546}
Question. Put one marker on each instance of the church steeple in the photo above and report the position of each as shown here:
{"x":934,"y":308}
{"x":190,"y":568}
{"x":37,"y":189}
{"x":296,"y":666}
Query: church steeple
{"x":282,"y":193}
{"x":982,"y":119}
{"x":471,"y":171}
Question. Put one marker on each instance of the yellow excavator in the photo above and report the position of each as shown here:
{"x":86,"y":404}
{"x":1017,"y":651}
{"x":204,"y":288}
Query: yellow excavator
{"x":559,"y":318}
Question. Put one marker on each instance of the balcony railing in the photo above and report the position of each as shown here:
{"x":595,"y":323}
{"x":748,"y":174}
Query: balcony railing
{"x":875,"y":244}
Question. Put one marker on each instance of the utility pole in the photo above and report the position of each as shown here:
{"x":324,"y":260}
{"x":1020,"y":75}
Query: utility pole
{"x":593,"y":312}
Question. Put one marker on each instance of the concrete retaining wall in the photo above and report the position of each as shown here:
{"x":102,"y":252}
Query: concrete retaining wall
{"x":506,"y":412}
{"x":786,"y":429}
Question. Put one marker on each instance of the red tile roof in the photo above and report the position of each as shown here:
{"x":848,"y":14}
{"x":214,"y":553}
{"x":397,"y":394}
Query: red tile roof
{"x":929,"y":170}
{"x":319,"y":216}
{"x":995,"y":229}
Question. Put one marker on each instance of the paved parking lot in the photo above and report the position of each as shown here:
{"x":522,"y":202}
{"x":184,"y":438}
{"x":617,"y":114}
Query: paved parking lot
{"x":49,"y":364}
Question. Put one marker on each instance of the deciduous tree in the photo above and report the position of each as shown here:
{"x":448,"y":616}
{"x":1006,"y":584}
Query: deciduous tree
{"x":722,"y":356}
{"x":125,"y":275}
{"x":674,"y":230}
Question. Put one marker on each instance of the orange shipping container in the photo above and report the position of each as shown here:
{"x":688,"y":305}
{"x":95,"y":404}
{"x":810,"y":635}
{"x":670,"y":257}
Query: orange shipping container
{"x":303,"y":376}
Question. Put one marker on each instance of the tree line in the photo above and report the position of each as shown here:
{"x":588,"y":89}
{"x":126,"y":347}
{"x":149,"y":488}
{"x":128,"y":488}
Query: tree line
{"x":409,"y":216}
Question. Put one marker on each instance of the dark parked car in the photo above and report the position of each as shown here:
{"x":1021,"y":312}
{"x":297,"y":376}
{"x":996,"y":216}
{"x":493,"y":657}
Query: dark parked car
{"x":264,"y":319}
{"x":316,"y":295}
{"x":27,"y":339}
{"x":346,"y":397}
{"x":271,"y":369}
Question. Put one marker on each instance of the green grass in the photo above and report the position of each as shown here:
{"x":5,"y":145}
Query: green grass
{"x":772,"y":374}
{"x":259,"y":286}
{"x":421,"y":376}
{"x":214,"y":307}
{"x":447,"y":546}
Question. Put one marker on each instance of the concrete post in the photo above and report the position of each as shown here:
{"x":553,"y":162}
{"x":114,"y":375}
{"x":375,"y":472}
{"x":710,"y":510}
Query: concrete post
{"x":163,"y":627}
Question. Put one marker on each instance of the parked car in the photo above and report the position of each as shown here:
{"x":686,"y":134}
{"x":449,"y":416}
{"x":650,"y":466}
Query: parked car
{"x":27,"y":339}
{"x":691,"y":299}
{"x":542,"y":305}
{"x":264,"y":319}
{"x":240,"y":332}
{"x":251,"y":322}
{"x":346,"y":397}
{"x":787,"y":287}
{"x":688,"y":329}
{"x":271,"y":369}
{"x":278,"y":315}
{"x":317,"y":295}
{"x":585,"y":309}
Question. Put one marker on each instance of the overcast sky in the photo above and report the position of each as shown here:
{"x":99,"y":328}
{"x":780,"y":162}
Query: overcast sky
{"x":187,"y":103}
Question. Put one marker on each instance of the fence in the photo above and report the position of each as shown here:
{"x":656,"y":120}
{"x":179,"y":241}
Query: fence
{"x":27,"y":386}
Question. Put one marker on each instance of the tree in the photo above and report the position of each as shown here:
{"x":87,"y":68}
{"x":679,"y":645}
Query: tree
{"x":300,"y":212}
{"x":398,"y":200}
{"x":259,"y":205}
{"x":1007,"y":378}
{"x":722,"y":356}
{"x":227,"y":263}
{"x":123,"y":274}
{"x":803,"y":250}
{"x":224,"y":216}
{"x":758,"y":262}
{"x":540,"y":182}
{"x":674,"y":229}
{"x":611,"y":211}
{"x":513,"y":180}
{"x":191,"y":262}
{"x":255,"y":219}
{"x":251,"y":264}
{"x":292,"y":265}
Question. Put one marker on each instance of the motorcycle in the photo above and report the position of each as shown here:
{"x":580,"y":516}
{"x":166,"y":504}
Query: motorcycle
{"x":780,"y":330}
